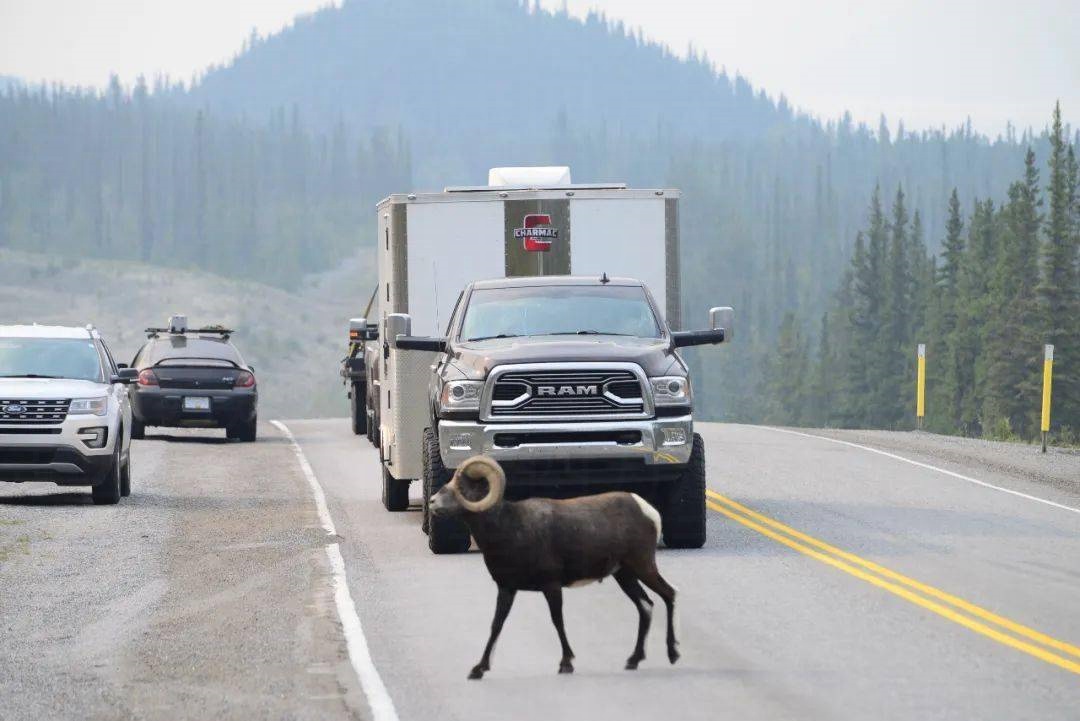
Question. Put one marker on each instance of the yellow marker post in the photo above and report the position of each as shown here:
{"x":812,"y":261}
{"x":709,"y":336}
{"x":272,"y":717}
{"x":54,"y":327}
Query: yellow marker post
{"x":1048,"y":372}
{"x":920,"y":393}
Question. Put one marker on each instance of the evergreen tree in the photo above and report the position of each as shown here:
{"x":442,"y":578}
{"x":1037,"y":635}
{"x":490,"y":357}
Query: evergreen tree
{"x":1013,"y":350}
{"x":896,"y":321}
{"x":786,"y":376}
{"x":1058,"y":286}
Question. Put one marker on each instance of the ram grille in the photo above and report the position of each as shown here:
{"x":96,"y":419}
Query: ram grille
{"x":537,"y":394}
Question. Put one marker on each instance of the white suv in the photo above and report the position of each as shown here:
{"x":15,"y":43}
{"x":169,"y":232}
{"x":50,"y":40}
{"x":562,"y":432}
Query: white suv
{"x":64,"y":410}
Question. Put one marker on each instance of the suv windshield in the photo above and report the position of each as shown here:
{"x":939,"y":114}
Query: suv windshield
{"x":50,"y":358}
{"x":559,"y":310}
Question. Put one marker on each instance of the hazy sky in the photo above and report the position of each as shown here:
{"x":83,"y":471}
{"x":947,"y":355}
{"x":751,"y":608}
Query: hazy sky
{"x":929,"y":62}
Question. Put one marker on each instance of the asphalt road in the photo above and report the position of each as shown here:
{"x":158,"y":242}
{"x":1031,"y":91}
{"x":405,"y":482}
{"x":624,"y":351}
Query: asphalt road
{"x":838,"y":583}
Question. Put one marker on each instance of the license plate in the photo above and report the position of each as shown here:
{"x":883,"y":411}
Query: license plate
{"x":196,"y":403}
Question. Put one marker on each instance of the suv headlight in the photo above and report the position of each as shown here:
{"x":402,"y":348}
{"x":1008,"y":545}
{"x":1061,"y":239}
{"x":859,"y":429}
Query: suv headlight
{"x":461,"y":395}
{"x":671,"y":390}
{"x":89,"y":406}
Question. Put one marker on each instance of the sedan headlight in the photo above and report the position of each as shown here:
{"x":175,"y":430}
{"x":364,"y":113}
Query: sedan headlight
{"x":671,"y":390}
{"x":89,"y":406}
{"x":461,"y":395}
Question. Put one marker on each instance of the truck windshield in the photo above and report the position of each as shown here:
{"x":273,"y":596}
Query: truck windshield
{"x":50,"y":358}
{"x":559,"y":310}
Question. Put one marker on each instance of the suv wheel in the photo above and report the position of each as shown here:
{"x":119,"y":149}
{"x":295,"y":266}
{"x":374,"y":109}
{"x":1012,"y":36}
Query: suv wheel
{"x":106,"y":491}
{"x":395,"y":492}
{"x":445,"y":535}
{"x":125,"y":476}
{"x":359,"y":411}
{"x":683,"y":513}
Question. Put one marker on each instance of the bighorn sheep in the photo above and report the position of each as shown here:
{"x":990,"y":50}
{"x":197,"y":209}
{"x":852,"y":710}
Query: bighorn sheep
{"x":545,"y":545}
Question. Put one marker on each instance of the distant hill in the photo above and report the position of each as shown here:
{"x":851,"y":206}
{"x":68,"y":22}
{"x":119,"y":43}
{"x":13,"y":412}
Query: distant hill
{"x":478,"y":79}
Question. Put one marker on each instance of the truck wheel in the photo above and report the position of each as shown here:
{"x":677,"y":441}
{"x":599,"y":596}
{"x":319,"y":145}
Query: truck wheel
{"x":106,"y":491}
{"x":373,"y":426}
{"x":395,"y":492}
{"x":683,"y":514}
{"x":359,"y":411}
{"x":138,"y":429}
{"x":445,"y":535}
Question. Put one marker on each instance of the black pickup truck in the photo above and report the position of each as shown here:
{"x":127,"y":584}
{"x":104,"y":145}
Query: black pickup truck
{"x":575,"y":385}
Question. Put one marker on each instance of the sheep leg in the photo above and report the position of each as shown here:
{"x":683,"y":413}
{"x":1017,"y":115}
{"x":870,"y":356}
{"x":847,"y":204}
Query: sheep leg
{"x":629,"y":584}
{"x":664,"y":590}
{"x":553,"y":595}
{"x":502,"y":610}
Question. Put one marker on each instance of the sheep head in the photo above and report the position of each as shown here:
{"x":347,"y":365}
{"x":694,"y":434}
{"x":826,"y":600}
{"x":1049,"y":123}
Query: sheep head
{"x":477,"y":486}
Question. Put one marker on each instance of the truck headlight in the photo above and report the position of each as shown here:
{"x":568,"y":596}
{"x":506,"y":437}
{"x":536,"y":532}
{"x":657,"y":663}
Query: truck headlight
{"x":671,"y":390}
{"x":89,"y":406}
{"x":461,"y":395}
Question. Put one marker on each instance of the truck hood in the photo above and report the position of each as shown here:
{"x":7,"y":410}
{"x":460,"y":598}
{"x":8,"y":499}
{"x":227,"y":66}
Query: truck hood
{"x":654,"y":355}
{"x":49,"y":389}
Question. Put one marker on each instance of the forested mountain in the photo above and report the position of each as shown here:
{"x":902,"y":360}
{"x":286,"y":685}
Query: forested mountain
{"x":1007,"y":282}
{"x":269,"y":166}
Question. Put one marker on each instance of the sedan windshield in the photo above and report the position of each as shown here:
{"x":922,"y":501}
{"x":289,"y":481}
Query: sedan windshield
{"x":559,"y":310}
{"x":50,"y":358}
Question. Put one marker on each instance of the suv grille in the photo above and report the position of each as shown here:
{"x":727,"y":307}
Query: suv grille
{"x":550,"y":393}
{"x":33,"y":413}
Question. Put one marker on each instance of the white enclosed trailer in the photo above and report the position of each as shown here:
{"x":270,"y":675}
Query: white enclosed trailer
{"x":530,"y":221}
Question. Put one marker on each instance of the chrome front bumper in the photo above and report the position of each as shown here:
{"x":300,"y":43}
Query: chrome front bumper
{"x":663,"y":441}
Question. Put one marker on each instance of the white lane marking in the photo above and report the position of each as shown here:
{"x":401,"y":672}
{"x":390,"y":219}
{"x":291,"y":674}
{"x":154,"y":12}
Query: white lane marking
{"x":969,"y":479}
{"x":651,"y":513}
{"x":382,"y":706}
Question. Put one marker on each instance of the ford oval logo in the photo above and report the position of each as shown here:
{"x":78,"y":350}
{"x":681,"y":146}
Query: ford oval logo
{"x":14,"y":409}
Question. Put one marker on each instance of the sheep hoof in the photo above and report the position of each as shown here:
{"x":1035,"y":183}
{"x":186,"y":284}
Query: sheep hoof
{"x":673,"y":655}
{"x":631,"y":663}
{"x":565,"y":666}
{"x":477,"y":673}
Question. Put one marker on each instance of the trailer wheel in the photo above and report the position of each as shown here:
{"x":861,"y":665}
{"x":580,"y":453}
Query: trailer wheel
{"x":395,"y":492}
{"x":445,"y":535}
{"x":359,"y":411}
{"x":683,"y":513}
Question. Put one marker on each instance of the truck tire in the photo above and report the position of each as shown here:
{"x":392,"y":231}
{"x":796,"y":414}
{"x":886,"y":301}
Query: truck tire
{"x":445,"y":535}
{"x":138,"y":429}
{"x":683,"y":513}
{"x":106,"y":490}
{"x":395,"y":492}
{"x":359,"y":411}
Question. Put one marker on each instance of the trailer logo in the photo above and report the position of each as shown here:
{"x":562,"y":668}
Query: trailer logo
{"x":537,"y":233}
{"x":567,"y":391}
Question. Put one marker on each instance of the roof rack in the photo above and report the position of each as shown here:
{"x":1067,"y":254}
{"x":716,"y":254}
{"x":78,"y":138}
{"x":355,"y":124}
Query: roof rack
{"x":209,"y":330}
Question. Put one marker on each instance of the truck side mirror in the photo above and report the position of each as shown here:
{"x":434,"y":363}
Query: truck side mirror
{"x":398,"y":324}
{"x":723,"y":317}
{"x":359,"y":330}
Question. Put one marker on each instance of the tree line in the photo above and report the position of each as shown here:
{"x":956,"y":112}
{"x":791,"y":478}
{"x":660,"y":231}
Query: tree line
{"x":130,"y":174}
{"x":1006,"y":282}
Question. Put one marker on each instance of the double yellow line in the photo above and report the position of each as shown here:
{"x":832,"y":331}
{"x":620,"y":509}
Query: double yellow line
{"x":978,"y":619}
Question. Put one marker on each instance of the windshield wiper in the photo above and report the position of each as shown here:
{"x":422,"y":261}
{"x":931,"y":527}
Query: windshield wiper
{"x":493,"y":337}
{"x":29,"y":375}
{"x":588,"y":332}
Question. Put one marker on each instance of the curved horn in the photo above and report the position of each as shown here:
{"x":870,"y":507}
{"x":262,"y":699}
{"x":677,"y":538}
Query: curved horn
{"x":489,"y":470}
